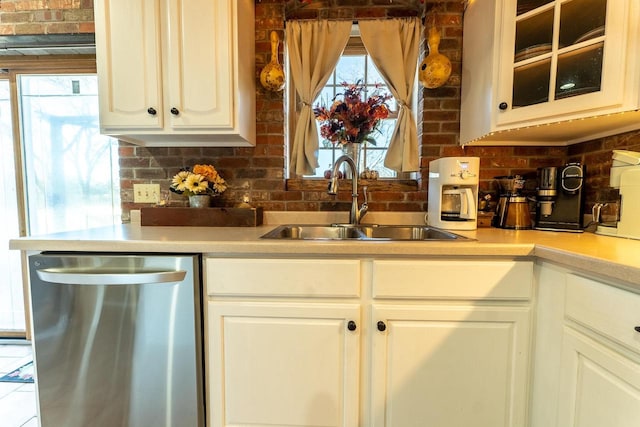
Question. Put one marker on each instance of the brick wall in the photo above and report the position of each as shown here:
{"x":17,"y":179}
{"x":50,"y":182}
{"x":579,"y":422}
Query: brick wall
{"x":27,"y":17}
{"x":260,"y":171}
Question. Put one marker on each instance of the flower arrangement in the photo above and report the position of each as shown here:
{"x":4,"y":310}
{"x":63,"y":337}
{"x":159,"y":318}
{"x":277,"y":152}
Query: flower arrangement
{"x":201,"y":179}
{"x":352,"y":119}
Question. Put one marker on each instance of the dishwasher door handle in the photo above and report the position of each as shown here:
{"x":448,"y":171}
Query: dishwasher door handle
{"x":83,"y":277}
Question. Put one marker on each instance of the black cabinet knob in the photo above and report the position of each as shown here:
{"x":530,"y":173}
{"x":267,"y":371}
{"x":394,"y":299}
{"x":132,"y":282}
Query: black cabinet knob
{"x":175,"y":111}
{"x":351,"y":325}
{"x":503,"y":106}
{"x":382,"y":326}
{"x":637,"y":328}
{"x":152,"y":111}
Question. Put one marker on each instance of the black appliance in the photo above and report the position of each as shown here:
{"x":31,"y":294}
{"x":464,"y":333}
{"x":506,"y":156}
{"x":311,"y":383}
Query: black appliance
{"x":560,"y":198}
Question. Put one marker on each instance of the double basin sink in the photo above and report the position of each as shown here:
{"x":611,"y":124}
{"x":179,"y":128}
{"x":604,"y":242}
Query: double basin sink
{"x":368,"y":232}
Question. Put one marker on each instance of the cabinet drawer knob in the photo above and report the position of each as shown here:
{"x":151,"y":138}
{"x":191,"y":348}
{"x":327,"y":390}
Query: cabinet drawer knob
{"x":351,"y":325}
{"x":152,"y":111}
{"x":175,"y":111}
{"x":637,"y":328}
{"x":382,"y":326}
{"x":503,"y":106}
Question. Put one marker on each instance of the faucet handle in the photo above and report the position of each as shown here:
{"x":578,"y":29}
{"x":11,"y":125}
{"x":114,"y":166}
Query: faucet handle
{"x":364,"y":193}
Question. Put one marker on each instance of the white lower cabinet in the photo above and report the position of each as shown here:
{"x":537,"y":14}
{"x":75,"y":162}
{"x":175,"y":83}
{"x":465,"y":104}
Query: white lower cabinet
{"x":450,"y":366}
{"x":372,"y":343}
{"x":600,"y":379}
{"x":592,"y":354}
{"x":599,"y":387}
{"x":451,"y":343}
{"x":282,"y":342}
{"x":283,"y":364}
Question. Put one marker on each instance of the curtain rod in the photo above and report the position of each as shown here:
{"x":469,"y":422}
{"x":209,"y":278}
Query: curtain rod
{"x":355,"y":21}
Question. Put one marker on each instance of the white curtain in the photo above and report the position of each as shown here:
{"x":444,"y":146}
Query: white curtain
{"x":314,"y":49}
{"x":393,"y":45}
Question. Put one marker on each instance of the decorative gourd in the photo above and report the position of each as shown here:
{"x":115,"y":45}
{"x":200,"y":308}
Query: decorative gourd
{"x":272,"y":75}
{"x":435,"y":69}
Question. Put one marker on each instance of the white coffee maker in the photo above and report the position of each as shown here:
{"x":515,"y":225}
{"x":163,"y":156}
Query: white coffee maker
{"x":625,"y":175}
{"x":453,"y":193}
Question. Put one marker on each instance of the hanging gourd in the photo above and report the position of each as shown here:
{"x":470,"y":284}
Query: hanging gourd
{"x":435,"y":69}
{"x":272,"y":75}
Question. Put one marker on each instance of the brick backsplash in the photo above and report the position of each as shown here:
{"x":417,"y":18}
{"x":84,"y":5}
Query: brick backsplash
{"x":259,"y":172}
{"x":28,"y":17}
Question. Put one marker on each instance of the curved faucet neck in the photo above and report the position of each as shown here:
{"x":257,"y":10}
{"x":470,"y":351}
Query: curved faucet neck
{"x":355,"y":214}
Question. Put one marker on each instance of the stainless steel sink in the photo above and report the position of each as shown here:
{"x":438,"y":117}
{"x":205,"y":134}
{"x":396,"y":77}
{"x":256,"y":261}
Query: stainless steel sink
{"x":362,"y":232}
{"x":314,"y":232}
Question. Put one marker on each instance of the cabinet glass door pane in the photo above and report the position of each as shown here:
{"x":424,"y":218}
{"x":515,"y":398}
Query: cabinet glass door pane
{"x":579,"y":71}
{"x":534,"y":35}
{"x":531,"y":83}
{"x":525,"y":6}
{"x":581,"y":20}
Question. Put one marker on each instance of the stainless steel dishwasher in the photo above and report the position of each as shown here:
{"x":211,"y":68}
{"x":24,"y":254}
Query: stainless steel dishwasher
{"x":117,"y":340}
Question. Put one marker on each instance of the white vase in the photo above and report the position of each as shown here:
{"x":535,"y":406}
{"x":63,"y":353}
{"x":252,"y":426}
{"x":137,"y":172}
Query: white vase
{"x":200,"y":201}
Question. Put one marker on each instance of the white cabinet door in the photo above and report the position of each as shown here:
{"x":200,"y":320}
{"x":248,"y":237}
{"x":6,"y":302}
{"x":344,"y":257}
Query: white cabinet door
{"x":564,"y":58}
{"x":200,"y":64}
{"x":128,"y":57}
{"x":283,"y":364}
{"x":177,"y":72}
{"x":599,"y":387}
{"x":441,"y":365}
{"x":549,"y":72}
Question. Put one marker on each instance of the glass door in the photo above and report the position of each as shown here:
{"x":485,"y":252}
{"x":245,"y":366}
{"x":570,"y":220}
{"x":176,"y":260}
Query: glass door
{"x":70,"y":174}
{"x":557,"y":53}
{"x":12,"y":315}
{"x":577,"y":57}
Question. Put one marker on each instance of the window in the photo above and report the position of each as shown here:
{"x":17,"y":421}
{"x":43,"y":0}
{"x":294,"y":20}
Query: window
{"x":355,"y":65}
{"x":11,"y":298}
{"x":72,"y":176}
{"x":58,"y":173}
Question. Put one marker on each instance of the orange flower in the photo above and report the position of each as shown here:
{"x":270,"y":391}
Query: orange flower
{"x":208,"y":171}
{"x":352,"y":119}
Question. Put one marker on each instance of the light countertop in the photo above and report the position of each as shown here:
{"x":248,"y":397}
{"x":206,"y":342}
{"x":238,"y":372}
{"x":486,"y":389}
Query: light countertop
{"x":617,"y":258}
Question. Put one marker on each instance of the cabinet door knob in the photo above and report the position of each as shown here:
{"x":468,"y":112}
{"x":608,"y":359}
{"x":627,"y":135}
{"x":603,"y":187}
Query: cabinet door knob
{"x":637,"y":328}
{"x":351,"y":325}
{"x":382,"y":326}
{"x":175,"y":111}
{"x":503,"y":106}
{"x":152,"y":111}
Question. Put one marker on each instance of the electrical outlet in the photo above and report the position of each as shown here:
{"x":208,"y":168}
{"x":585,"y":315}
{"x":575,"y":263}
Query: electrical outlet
{"x":146,"y":193}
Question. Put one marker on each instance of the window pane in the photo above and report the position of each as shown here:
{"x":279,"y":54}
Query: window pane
{"x":71,"y":170}
{"x":350,"y":69}
{"x":11,"y":299}
{"x":373,"y":76}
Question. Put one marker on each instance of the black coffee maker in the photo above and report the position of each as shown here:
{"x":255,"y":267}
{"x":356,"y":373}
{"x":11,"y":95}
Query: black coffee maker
{"x":560,"y":198}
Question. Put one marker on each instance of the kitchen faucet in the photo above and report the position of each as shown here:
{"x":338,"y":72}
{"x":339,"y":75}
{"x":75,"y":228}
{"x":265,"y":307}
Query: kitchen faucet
{"x":356,"y":214}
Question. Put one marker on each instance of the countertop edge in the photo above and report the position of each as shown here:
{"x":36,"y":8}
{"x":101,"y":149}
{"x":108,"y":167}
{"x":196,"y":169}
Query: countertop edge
{"x":589,"y":264}
{"x":605,"y":256}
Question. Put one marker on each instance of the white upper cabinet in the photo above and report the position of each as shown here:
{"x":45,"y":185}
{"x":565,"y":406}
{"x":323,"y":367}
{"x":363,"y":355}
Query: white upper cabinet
{"x":176,"y":71}
{"x":548,"y":72}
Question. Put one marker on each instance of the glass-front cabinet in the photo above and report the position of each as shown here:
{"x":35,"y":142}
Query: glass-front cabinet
{"x":549,"y":62}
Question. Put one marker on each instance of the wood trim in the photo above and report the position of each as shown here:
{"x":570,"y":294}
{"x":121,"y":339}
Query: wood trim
{"x":319,"y":184}
{"x":62,"y":63}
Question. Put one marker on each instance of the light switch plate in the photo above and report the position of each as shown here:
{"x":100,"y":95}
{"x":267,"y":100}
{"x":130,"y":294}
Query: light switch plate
{"x":146,"y":193}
